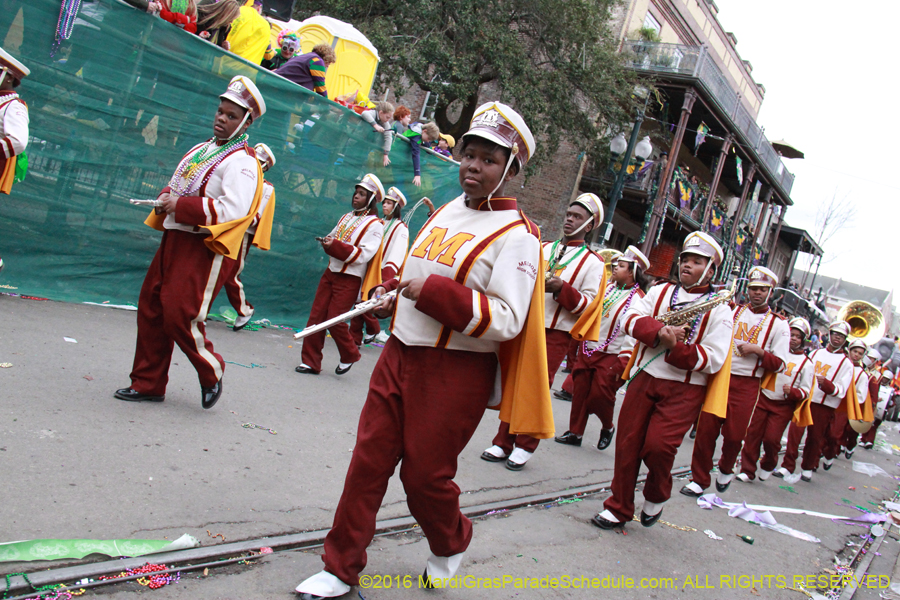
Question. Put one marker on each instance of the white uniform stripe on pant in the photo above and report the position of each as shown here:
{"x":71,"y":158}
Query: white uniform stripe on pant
{"x":214,"y":271}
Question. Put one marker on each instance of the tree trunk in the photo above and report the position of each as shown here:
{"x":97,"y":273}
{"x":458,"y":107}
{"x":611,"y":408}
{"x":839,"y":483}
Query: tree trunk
{"x":458,"y":128}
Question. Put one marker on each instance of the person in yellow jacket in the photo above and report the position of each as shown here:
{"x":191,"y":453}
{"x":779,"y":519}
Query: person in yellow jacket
{"x":250,"y":33}
{"x":210,"y":201}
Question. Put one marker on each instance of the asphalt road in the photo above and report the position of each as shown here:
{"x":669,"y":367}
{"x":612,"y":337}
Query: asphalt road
{"x":76,"y":463}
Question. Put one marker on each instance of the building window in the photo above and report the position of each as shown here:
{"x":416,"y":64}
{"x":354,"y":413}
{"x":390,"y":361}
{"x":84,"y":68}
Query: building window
{"x":779,"y":265}
{"x":650,"y":22}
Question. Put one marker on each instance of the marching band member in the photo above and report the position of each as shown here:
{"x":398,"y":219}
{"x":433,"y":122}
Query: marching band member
{"x":210,"y":201}
{"x":834,"y":376}
{"x":671,"y":367}
{"x":395,"y":244}
{"x":470,"y":296}
{"x":597,"y":373}
{"x":13,"y":120}
{"x":776,"y":407}
{"x":573,"y":275}
{"x":352,"y":245}
{"x":885,"y":391}
{"x":761,"y":342}
{"x":839,"y":432}
{"x":234,"y":287}
{"x":872,"y":362}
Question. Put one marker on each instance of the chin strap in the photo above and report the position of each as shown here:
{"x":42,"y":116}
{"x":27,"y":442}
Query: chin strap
{"x":237,"y":129}
{"x":512,"y":156}
{"x":3,"y":75}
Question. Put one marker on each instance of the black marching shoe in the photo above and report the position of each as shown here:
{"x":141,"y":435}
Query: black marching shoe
{"x":648,"y":521}
{"x":721,"y":488}
{"x":341,"y":371}
{"x":305,"y":596}
{"x":129,"y":395}
{"x":306,"y":370}
{"x":606,"y":436}
{"x":693,"y":434}
{"x":603,"y":523}
{"x":368,"y":340}
{"x":568,"y":438}
{"x":563,"y":395}
{"x":209,"y":396}
{"x":426,"y":580}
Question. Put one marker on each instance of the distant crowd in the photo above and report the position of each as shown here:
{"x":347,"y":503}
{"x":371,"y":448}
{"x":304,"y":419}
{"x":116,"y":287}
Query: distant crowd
{"x":242,"y":30}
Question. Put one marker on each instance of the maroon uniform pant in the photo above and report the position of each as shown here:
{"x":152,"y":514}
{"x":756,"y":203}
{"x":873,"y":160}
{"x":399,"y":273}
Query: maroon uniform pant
{"x":816,"y":435}
{"x":336,"y":294}
{"x":655,"y":415}
{"x":234,"y":288}
{"x":869,"y":436}
{"x":180,"y":284}
{"x":596,"y":380}
{"x":836,"y":433}
{"x":792,"y":450}
{"x":743,"y":393}
{"x":766,"y":428}
{"x":423,"y":406}
{"x":558,"y":343}
{"x":373,"y":327}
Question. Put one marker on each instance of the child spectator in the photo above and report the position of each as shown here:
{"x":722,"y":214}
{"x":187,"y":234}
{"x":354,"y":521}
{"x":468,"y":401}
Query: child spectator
{"x":380,"y":120}
{"x":289,"y":43}
{"x":402,"y":117}
{"x":214,"y":18}
{"x":419,"y":134}
{"x":308,"y":70}
{"x":445,"y":144}
{"x":182,"y":13}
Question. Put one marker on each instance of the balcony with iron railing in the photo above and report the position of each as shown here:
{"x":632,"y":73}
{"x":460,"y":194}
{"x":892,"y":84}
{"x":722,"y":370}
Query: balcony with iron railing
{"x":695,"y":63}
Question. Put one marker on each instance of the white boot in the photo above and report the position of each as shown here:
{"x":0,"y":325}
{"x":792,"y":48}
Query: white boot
{"x":651,"y":509}
{"x":763,"y":474}
{"x":324,"y":585}
{"x":240,"y":321}
{"x":517,"y":459}
{"x":442,"y":567}
{"x":806,"y":475}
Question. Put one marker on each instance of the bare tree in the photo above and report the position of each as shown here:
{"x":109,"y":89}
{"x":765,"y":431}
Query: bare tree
{"x":831,"y":217}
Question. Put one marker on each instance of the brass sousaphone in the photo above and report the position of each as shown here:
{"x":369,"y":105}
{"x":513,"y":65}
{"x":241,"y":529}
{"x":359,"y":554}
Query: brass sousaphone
{"x":866,"y":324}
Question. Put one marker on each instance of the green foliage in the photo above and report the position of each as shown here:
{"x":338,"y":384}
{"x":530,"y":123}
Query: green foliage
{"x":556,"y":61}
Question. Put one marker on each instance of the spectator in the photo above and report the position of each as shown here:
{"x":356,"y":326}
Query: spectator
{"x":290,"y":43}
{"x":308,"y":70}
{"x":182,"y":13}
{"x":380,"y":120}
{"x":249,"y":36}
{"x":419,"y":134}
{"x":402,"y":117}
{"x":445,"y":145}
{"x":214,"y":18}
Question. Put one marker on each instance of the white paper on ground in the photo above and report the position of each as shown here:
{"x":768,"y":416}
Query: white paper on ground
{"x":119,"y":306}
{"x":70,"y":340}
{"x":869,"y":469}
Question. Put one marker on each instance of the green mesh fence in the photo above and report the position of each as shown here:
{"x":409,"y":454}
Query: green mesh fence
{"x":111,"y":115}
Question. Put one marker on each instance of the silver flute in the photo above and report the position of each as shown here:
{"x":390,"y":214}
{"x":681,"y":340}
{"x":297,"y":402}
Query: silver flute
{"x":153,"y":203}
{"x":362,"y":307}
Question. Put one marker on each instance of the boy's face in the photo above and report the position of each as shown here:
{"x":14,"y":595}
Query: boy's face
{"x":228,"y":118}
{"x":360,"y":198}
{"x":691,"y":268}
{"x":385,"y":117}
{"x":443,"y":145}
{"x":856,"y":354}
{"x":387,"y":207}
{"x":836,"y":339}
{"x":796,"y":340}
{"x":758,"y":295}
{"x":575,"y":218}
{"x":481,"y":167}
{"x":621,"y":273}
{"x":405,"y":121}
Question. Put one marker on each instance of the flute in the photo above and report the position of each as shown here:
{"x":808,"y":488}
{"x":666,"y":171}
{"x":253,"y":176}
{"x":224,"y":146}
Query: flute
{"x":359,"y":309}
{"x":153,"y":203}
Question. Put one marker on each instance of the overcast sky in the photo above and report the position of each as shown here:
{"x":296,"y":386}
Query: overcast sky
{"x":830,"y":85}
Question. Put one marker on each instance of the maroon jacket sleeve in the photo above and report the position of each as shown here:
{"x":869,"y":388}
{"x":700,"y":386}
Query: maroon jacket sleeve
{"x":827,"y":387}
{"x":873,"y":388}
{"x":388,"y":273}
{"x":568,"y":297}
{"x":390,"y":284}
{"x":339,"y":250}
{"x":796,"y":395}
{"x":645,"y":331}
{"x":165,"y":190}
{"x":190,"y":211}
{"x":447,"y":302}
{"x":770,"y":362}
{"x":683,"y":356}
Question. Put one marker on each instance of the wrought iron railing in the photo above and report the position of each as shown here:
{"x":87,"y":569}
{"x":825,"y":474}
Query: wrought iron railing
{"x":695,"y":62}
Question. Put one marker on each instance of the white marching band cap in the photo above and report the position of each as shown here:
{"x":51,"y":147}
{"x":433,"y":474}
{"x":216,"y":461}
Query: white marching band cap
{"x":373,"y":184}
{"x":502,"y":125}
{"x":888,"y":374}
{"x":634,"y":255}
{"x":842,"y":327}
{"x":857,"y":343}
{"x":397,"y":196}
{"x":591,"y":203}
{"x":244,"y":92}
{"x":264,"y":154}
{"x":703,"y":244}
{"x":800,"y":324}
{"x":14,"y":67}
{"x":761,"y":276}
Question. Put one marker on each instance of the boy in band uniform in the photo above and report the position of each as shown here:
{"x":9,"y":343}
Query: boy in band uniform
{"x":776,"y":407}
{"x":761,"y":344}
{"x":206,"y":209}
{"x":351,"y":246}
{"x":470,"y":292}
{"x":234,"y":287}
{"x":13,"y":120}
{"x":574,"y":273}
{"x":840,"y":425}
{"x":597,"y":373}
{"x":671,"y":366}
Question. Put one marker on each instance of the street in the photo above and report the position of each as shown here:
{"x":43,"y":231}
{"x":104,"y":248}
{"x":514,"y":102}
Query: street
{"x":270,"y":458}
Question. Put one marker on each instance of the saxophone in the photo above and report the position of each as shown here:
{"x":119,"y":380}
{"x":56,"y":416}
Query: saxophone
{"x":685,"y":315}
